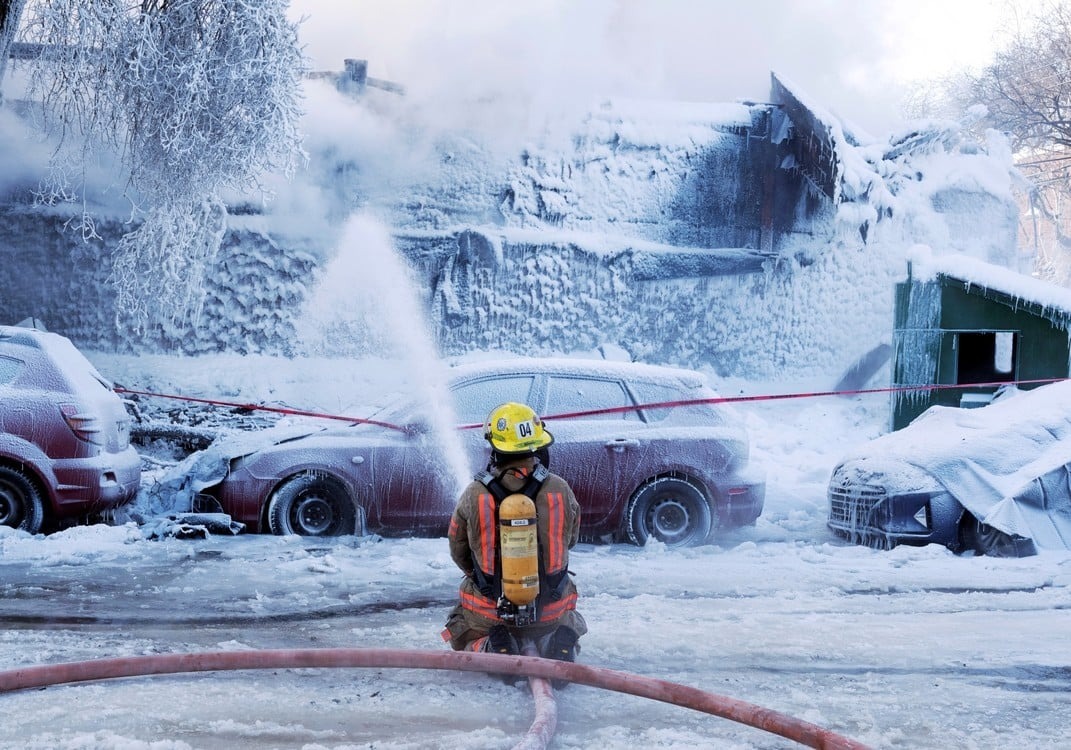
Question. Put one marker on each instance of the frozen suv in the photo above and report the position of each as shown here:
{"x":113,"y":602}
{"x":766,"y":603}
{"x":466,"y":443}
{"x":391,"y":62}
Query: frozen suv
{"x":65,"y":448}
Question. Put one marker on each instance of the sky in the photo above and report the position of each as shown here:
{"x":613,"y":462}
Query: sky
{"x":857,"y":60}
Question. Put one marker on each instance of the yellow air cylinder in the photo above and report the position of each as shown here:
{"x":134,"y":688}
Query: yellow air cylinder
{"x":519,"y":548}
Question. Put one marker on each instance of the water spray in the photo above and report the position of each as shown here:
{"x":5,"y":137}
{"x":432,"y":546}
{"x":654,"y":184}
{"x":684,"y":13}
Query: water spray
{"x":367,"y":302}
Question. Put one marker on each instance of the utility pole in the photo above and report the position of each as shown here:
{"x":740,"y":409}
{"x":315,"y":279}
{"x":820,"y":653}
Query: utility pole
{"x":10,"y":12}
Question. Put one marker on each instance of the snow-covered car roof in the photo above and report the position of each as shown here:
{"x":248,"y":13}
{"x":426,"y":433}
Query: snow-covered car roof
{"x":593,"y":367}
{"x":62,"y":354}
{"x":1006,"y":463}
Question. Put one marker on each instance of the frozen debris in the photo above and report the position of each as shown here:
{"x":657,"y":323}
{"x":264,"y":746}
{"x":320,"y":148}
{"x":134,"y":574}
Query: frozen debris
{"x":192,"y":526}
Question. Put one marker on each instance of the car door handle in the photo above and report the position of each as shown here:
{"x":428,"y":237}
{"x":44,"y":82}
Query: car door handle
{"x":619,"y":444}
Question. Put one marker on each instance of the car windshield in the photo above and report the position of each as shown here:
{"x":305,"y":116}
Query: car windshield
{"x":401,"y":411}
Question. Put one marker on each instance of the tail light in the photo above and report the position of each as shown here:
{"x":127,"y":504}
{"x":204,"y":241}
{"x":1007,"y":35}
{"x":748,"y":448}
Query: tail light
{"x":85,"y":426}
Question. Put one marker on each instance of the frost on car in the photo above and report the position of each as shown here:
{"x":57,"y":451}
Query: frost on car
{"x":65,"y":448}
{"x":995,"y":480}
{"x":675,"y":474}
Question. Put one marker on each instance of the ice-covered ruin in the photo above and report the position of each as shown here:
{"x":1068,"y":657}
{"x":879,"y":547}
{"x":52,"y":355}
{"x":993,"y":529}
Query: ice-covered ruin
{"x":759,"y":238}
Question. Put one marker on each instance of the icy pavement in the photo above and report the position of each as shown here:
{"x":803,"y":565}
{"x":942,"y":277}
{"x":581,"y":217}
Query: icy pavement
{"x":910,"y":648}
{"x":913,"y":648}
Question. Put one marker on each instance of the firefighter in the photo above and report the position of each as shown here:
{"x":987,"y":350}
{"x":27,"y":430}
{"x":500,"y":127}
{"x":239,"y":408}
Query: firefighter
{"x":511,"y":534}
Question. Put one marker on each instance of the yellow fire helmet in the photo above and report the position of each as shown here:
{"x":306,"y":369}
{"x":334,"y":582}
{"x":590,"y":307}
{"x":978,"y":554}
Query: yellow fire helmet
{"x":514,"y":428}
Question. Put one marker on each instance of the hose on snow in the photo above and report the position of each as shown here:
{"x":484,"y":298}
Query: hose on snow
{"x":768,"y":720}
{"x":546,"y":710}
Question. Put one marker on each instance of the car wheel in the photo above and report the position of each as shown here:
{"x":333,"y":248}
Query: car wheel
{"x":21,"y":504}
{"x":671,"y":510}
{"x":984,"y":539}
{"x":311,"y":504}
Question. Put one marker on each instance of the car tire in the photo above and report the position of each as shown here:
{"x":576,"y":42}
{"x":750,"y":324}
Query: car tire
{"x":983,"y":539}
{"x":671,"y":510}
{"x":311,"y":504}
{"x":21,"y":502}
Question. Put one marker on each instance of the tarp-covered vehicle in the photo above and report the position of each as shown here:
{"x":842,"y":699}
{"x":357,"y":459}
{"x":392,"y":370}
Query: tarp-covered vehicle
{"x":674,"y":473}
{"x":995,"y":479}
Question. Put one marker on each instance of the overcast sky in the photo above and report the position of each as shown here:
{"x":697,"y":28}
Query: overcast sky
{"x":853,"y":58}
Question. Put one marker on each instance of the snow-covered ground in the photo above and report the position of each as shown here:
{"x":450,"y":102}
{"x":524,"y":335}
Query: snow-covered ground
{"x":912,"y":648}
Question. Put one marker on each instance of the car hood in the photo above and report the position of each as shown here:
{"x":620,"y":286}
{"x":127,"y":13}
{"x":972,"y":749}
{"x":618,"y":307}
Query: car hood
{"x":180,"y":484}
{"x":1006,"y":463}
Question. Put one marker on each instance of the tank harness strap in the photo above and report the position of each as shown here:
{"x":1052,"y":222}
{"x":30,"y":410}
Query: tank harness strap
{"x":490,"y":584}
{"x":498,"y":490}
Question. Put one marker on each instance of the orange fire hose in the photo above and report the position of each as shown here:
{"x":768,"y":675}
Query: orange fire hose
{"x":805,"y":733}
{"x":546,"y":710}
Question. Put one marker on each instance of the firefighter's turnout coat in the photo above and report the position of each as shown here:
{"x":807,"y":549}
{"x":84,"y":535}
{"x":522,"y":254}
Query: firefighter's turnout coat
{"x":474,"y":548}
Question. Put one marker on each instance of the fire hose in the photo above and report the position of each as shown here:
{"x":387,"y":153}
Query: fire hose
{"x":545,"y":722}
{"x":768,"y":720}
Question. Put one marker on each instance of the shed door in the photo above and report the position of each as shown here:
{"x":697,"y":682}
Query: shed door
{"x":970,"y":357}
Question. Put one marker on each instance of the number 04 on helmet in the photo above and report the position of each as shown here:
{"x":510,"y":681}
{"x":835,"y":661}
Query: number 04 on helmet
{"x":514,"y":428}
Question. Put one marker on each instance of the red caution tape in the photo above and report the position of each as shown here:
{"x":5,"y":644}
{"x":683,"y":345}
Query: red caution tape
{"x":262,"y":407}
{"x":606,"y":410}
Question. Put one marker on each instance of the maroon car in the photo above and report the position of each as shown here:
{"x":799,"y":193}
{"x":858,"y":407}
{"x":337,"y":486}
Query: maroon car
{"x":672,"y":473}
{"x":65,"y":448}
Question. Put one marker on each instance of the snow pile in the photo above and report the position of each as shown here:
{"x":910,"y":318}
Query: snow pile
{"x":927,"y":266}
{"x":934,"y":186}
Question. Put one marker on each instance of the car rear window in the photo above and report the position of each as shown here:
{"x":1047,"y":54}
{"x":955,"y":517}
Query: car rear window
{"x":76,"y":369}
{"x":567,"y":395}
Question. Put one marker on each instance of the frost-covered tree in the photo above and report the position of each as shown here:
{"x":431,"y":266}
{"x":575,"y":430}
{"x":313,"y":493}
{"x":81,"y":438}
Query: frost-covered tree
{"x":1025,"y":92}
{"x":10,"y":11}
{"x":1027,"y":86}
{"x":196,"y":97}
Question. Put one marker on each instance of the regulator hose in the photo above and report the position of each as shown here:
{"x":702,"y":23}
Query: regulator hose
{"x":768,"y":720}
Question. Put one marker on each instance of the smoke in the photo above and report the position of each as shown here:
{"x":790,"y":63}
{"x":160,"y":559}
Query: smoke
{"x":24,"y":157}
{"x":510,"y":66}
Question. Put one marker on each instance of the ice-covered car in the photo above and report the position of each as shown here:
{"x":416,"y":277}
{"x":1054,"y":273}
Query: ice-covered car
{"x":995,"y":479}
{"x":65,"y":448}
{"x":675,"y":473}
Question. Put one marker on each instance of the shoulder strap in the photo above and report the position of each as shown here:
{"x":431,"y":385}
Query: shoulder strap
{"x":498,"y":490}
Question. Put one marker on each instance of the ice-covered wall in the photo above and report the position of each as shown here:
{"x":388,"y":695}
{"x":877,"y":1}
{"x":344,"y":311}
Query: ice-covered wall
{"x":251,"y":294}
{"x":540,"y":293}
{"x":688,"y":234}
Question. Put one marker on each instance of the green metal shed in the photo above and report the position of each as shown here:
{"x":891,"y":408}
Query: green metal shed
{"x":964,"y":325}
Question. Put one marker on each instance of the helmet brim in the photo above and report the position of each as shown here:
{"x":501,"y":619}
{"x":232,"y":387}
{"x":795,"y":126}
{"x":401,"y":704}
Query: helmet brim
{"x":527,"y":450}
